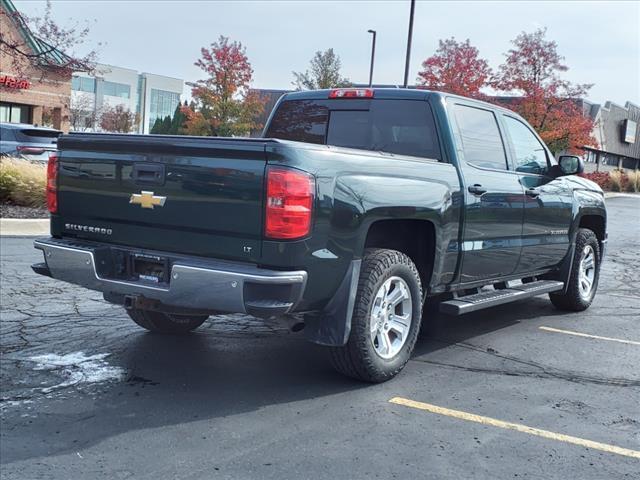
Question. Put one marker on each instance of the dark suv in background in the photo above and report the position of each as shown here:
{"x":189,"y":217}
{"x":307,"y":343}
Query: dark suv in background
{"x":26,"y":141}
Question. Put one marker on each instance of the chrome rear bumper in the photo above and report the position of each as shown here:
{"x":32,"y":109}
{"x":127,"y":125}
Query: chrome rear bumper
{"x":194,"y":282}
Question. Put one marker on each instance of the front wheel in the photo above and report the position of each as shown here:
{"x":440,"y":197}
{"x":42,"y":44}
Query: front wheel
{"x":585,"y":270}
{"x":386,"y":318}
{"x":169,"y":323}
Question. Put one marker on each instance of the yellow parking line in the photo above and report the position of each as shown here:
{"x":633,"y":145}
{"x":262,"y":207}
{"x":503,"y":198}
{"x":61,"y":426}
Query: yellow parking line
{"x":515,"y":426}
{"x":586,"y":335}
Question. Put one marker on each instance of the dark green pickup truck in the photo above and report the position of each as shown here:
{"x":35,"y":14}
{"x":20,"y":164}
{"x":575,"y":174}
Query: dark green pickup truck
{"x":356,"y":209}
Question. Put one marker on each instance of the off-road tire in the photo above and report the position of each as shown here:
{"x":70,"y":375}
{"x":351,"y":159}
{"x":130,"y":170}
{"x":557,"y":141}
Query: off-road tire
{"x":571,"y":300}
{"x":159,"y":322}
{"x":358,"y":358}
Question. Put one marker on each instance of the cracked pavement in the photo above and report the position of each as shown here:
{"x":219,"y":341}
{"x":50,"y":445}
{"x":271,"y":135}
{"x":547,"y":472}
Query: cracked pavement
{"x":85,"y":393}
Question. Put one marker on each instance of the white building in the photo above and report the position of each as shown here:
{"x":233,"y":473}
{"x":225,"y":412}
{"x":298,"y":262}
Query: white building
{"x":149,"y":95}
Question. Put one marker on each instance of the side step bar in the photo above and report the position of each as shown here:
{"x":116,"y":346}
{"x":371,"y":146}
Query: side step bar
{"x":491,"y":298}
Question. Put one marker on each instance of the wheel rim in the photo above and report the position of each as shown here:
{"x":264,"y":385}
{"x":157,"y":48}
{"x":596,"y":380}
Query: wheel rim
{"x":391,"y":316}
{"x":587,"y":274}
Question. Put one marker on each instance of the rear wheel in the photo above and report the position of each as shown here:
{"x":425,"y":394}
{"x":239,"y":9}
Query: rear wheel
{"x":169,"y":323}
{"x":386,"y":318}
{"x":585,"y":270}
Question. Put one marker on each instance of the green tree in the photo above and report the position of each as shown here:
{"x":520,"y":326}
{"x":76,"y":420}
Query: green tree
{"x":178,"y":120}
{"x":157,"y":127}
{"x":323,"y":72}
{"x":166,"y":125}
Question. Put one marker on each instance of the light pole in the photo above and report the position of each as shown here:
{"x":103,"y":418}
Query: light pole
{"x":373,"y":54}
{"x":406,"y":64}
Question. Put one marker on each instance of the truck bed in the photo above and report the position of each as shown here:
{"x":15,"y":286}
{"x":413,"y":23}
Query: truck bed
{"x":192,"y":195}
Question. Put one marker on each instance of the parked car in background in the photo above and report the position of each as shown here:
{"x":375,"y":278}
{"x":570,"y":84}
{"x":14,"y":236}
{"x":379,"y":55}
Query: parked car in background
{"x":27,"y":141}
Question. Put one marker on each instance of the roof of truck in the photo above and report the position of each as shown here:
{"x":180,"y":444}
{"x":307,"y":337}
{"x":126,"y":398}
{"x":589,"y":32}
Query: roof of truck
{"x":384,"y":93}
{"x":392,"y":94}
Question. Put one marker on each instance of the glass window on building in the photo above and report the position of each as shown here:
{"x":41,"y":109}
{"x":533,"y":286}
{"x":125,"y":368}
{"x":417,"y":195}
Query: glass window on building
{"x":83,"y":84}
{"x":114,"y":89}
{"x":162,"y":103}
{"x":12,"y":113}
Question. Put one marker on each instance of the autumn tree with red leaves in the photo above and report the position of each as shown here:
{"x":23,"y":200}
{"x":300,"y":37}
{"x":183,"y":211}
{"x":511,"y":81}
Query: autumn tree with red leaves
{"x":550,"y":104}
{"x":224,"y":100}
{"x":195,"y":123}
{"x":455,"y":68}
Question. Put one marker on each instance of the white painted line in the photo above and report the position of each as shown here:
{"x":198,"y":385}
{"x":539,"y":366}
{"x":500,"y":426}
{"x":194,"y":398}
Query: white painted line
{"x":586,"y":335}
{"x":516,"y":426}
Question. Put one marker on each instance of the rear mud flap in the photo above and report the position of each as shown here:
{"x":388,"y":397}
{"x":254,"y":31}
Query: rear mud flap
{"x":332,"y":326}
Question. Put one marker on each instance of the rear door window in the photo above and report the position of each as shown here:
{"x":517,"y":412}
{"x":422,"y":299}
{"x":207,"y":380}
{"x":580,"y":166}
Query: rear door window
{"x":481,"y":139}
{"x":403,"y":127}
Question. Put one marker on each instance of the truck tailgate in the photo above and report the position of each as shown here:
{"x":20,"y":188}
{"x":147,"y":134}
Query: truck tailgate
{"x":202,"y":196}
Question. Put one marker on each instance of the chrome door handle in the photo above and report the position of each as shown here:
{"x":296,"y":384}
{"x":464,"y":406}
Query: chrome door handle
{"x":532,"y":192}
{"x":477,"y":189}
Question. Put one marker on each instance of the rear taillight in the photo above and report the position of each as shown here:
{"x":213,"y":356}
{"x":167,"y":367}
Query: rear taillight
{"x":351,"y":93}
{"x":52,"y":184}
{"x":289,"y":203}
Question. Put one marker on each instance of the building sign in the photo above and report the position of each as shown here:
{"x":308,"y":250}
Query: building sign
{"x":630,"y":128}
{"x":12,"y":82}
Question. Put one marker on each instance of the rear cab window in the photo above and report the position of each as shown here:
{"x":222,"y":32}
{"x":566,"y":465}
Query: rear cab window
{"x":402,"y":127}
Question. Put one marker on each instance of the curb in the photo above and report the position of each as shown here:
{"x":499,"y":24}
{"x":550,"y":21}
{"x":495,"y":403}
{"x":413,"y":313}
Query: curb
{"x":23,"y":227}
{"x":621,"y":194}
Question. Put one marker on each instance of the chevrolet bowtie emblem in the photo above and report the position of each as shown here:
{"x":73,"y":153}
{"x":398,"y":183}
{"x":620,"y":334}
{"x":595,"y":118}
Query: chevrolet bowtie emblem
{"x":147,"y":199}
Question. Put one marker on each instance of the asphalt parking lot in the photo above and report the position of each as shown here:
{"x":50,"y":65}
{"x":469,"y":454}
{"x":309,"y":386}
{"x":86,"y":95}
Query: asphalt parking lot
{"x":519,"y":391}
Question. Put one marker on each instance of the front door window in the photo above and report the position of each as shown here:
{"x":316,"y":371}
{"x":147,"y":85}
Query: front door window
{"x":530,"y":155}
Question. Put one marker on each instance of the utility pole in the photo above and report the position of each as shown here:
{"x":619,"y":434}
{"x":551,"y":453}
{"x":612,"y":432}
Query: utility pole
{"x":410,"y":36}
{"x":373,"y":55}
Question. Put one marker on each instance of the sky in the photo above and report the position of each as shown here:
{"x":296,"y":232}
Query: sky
{"x":599,"y":40}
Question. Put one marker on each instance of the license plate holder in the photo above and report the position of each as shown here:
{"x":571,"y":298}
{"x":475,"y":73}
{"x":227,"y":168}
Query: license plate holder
{"x":150,"y":268}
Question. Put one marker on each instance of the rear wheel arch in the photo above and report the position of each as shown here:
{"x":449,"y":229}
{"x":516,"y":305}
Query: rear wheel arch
{"x":414,"y":237}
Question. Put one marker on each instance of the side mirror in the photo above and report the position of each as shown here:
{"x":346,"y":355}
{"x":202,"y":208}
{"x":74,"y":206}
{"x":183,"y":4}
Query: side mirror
{"x":571,"y":165}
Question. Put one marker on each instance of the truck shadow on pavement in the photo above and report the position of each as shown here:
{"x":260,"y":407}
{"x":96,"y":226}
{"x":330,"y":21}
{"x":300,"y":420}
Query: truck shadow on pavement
{"x":174,"y":381}
{"x":440,"y":331}
{"x":212,"y":374}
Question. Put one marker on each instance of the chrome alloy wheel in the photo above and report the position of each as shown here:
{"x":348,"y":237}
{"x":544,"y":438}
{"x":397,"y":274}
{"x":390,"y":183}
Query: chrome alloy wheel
{"x":391,"y":317}
{"x":587,"y":273}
